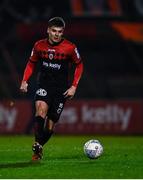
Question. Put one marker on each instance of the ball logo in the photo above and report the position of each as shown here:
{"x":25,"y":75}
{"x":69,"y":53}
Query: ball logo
{"x":41,"y":92}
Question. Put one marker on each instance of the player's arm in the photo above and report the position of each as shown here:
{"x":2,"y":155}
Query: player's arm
{"x":77,"y":74}
{"x":27,"y":74}
{"x":29,"y":70}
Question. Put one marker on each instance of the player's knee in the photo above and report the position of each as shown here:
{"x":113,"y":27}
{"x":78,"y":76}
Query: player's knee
{"x":41,"y":112}
{"x":41,"y":109}
{"x":50,"y":125}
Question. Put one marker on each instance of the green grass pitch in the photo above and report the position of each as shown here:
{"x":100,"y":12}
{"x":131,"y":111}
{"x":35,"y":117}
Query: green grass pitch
{"x":64,"y":158}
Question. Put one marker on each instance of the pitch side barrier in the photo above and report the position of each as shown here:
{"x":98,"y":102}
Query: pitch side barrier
{"x":120,"y":117}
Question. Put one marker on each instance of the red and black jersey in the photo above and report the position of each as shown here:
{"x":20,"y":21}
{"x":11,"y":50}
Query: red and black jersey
{"x":54,"y":62}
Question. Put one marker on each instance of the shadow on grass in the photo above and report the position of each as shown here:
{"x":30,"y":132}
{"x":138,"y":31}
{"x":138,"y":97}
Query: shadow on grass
{"x":19,"y":164}
{"x":72,"y":159}
{"x":64,"y":157}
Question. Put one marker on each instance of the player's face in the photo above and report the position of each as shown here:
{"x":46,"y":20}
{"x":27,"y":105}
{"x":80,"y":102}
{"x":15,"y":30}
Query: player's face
{"x":55,"y":34}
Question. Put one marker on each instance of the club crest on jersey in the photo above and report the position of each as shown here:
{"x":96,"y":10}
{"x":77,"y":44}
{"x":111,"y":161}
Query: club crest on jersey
{"x":51,"y":56}
{"x":51,"y":53}
{"x":41,"y":92}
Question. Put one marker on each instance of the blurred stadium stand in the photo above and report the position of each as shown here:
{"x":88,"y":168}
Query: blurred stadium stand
{"x":109,"y":34}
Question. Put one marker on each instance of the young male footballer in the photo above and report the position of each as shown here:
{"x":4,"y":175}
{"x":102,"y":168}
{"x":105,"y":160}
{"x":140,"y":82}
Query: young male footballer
{"x":55,"y":54}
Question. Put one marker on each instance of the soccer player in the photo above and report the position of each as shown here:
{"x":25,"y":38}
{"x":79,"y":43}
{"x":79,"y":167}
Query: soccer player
{"x":55,"y":54}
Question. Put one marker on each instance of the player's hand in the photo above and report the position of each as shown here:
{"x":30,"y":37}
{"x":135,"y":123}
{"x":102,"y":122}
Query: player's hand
{"x":69,"y":93}
{"x":23,"y":87}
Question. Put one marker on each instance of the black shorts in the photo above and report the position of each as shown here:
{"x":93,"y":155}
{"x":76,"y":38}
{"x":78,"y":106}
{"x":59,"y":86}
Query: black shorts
{"x":54,"y":98}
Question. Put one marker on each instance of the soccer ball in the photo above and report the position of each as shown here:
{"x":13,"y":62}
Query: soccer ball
{"x":93,"y":149}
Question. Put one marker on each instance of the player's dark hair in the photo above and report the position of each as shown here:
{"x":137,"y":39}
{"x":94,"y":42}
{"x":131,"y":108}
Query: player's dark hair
{"x":56,"y":21}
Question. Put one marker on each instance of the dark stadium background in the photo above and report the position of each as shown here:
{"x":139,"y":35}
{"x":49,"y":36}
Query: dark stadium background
{"x":109,"y":36}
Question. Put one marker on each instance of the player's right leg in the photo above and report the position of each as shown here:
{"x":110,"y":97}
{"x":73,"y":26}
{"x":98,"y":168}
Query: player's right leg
{"x":41,"y":112}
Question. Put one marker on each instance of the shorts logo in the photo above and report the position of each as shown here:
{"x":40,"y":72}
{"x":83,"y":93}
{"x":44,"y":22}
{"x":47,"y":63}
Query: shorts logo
{"x":60,"y":108}
{"x":41,"y":92}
